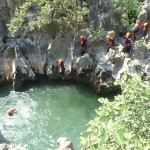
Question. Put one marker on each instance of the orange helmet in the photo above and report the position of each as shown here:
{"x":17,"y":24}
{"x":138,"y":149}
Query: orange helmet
{"x":145,"y":24}
{"x":128,"y":34}
{"x":8,"y":111}
{"x":60,"y":60}
{"x":136,"y":25}
{"x":82,"y":36}
{"x":108,"y":37}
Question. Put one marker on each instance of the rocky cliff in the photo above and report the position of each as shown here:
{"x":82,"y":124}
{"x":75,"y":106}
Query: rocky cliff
{"x":38,"y":51}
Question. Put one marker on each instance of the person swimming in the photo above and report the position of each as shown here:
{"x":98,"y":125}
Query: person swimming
{"x":11,"y":112}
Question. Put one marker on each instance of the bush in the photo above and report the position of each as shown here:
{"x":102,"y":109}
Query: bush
{"x":129,"y":11}
{"x":68,"y":13}
{"x":124,"y":123}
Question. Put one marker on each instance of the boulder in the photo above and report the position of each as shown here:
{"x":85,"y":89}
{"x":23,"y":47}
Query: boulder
{"x":83,"y":63}
{"x":64,"y":143}
{"x":10,"y":147}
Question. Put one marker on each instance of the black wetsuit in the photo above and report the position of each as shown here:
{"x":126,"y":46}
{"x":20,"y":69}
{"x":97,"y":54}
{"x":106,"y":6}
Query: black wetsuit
{"x":62,"y":69}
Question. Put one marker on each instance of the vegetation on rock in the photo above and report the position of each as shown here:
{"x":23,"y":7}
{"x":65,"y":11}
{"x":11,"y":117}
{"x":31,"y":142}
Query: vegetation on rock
{"x":123,"y":123}
{"x":129,"y":11}
{"x":68,"y":13}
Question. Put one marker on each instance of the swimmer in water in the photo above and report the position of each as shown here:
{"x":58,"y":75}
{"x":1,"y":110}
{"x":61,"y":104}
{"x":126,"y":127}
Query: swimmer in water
{"x":11,"y":112}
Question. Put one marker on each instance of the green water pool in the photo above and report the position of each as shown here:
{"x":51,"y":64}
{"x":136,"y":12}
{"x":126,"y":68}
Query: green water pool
{"x":45,"y":112}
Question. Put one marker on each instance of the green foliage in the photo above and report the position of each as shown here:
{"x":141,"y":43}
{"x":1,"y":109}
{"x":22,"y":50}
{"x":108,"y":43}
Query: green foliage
{"x":129,"y":11}
{"x":124,"y":123}
{"x":97,"y":33}
{"x":68,"y":13}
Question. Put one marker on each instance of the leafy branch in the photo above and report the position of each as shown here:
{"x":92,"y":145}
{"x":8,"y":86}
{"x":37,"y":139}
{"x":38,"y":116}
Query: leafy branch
{"x":66,"y":13}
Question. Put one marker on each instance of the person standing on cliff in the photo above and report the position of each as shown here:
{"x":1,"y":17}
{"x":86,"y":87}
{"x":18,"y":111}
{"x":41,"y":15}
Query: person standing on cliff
{"x":128,"y":40}
{"x":83,"y":45}
{"x":111,"y":42}
{"x":145,"y":29}
{"x":135,"y":31}
{"x":61,"y":68}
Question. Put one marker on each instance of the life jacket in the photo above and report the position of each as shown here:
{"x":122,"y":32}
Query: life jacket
{"x":112,"y":40}
{"x":10,"y":112}
{"x":61,"y":66}
{"x":128,"y":39}
{"x":136,"y":30}
{"x":83,"y":42}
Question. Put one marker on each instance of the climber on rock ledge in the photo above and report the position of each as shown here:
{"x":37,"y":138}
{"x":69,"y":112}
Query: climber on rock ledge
{"x":111,"y":42}
{"x":83,"y":45}
{"x":61,"y":67}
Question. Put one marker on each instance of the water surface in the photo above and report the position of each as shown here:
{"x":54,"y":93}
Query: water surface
{"x":45,"y":112}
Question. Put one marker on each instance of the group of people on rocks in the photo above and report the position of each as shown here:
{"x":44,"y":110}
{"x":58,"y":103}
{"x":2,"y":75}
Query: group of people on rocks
{"x":129,"y":38}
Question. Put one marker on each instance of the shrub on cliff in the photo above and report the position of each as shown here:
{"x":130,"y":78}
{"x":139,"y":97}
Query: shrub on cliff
{"x":124,"y":123}
{"x":129,"y":11}
{"x":68,"y":13}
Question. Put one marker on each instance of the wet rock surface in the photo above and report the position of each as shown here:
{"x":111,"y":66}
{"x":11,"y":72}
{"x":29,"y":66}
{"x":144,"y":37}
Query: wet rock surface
{"x":64,"y":143}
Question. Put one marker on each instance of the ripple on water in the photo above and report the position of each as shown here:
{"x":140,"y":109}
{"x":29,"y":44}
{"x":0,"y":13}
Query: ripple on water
{"x":46,"y":112}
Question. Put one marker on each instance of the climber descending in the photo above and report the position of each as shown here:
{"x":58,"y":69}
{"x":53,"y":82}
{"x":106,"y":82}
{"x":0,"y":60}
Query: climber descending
{"x":135,"y":31}
{"x":61,"y":67}
{"x":111,"y":42}
{"x":128,"y":40}
{"x":145,"y":29}
{"x":83,"y":45}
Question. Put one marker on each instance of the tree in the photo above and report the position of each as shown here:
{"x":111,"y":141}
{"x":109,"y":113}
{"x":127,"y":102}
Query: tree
{"x":67,"y":13}
{"x":129,"y":11}
{"x":124,"y":123}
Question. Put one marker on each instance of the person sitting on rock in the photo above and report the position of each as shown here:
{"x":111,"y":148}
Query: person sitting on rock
{"x":111,"y":42}
{"x":11,"y":112}
{"x":83,"y":45}
{"x":145,"y":29}
{"x":61,"y":69}
{"x":135,"y":31}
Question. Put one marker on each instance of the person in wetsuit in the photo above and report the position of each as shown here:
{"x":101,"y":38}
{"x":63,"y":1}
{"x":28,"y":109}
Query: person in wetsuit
{"x":111,"y":42}
{"x":10,"y":112}
{"x":128,"y":40}
{"x":83,"y":45}
{"x":61,"y":67}
{"x":135,"y":31}
{"x":145,"y":29}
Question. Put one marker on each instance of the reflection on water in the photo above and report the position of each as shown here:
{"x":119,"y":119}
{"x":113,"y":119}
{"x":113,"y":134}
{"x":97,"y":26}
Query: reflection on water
{"x":45,"y":112}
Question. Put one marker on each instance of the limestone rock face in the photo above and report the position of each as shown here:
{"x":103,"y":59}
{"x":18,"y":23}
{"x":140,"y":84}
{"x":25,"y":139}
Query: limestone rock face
{"x":144,"y":13}
{"x":22,"y":70}
{"x":40,"y":51}
{"x":83,"y":63}
{"x":64,"y":143}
